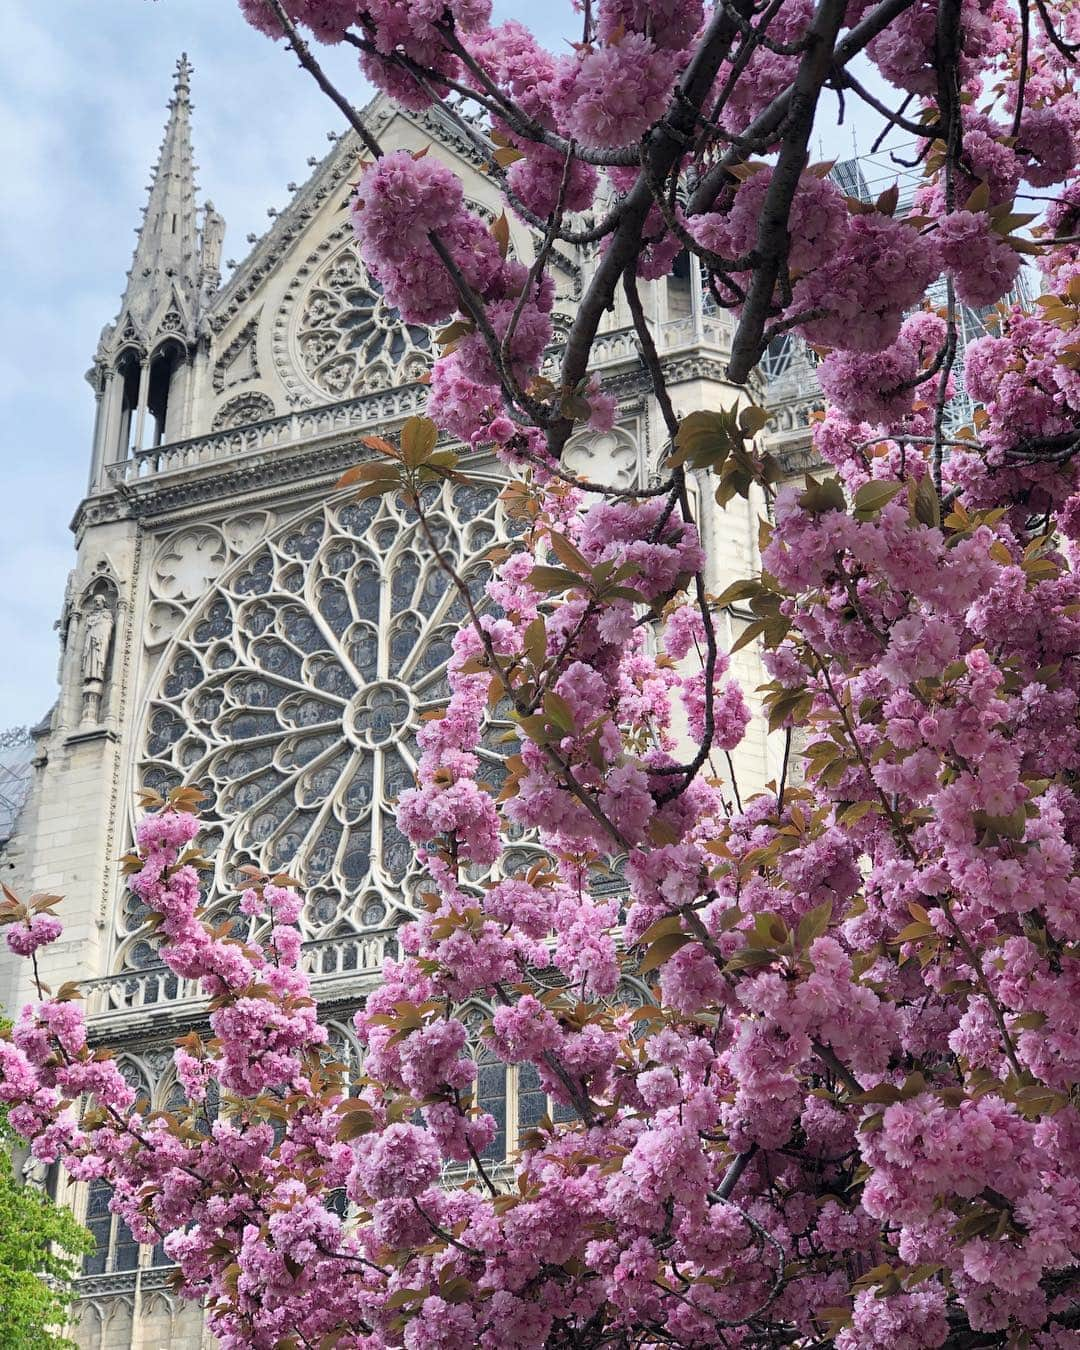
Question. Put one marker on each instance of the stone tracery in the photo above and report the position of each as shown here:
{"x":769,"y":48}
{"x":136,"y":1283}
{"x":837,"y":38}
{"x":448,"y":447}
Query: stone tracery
{"x":348,"y":339}
{"x":294,"y":691}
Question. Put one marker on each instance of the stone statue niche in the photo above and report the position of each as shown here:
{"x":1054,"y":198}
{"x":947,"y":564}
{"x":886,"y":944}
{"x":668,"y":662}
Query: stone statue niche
{"x":97,"y":626}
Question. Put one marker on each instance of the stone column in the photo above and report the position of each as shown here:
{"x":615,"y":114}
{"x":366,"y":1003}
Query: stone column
{"x":144,"y":387}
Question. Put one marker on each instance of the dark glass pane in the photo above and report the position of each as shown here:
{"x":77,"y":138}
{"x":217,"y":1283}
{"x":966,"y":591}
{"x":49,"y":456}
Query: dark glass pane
{"x":321,"y":854}
{"x":305,"y":543}
{"x":273,"y":656}
{"x":246,"y":726}
{"x":432,"y":591}
{"x":334,"y":606}
{"x":366,"y":591}
{"x":357,"y":516}
{"x":185,"y":674}
{"x":331,"y":678}
{"x":356,"y":861}
{"x":126,"y":1251}
{"x":258,"y":578}
{"x":397,"y":852}
{"x":97,"y":1203}
{"x":94,"y":1262}
{"x":359,"y":791}
{"x":406,"y":631}
{"x":532,"y":1099}
{"x":403,"y":582}
{"x":302,"y":631}
{"x":217,"y":624}
{"x":244,"y":796}
{"x":491,"y":1097}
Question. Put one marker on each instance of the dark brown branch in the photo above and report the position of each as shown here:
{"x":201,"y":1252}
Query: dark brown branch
{"x":771,"y":117}
{"x":1021,"y":83}
{"x":304,"y":56}
{"x":773,"y":240}
{"x":665,"y":148}
{"x":895,"y":118}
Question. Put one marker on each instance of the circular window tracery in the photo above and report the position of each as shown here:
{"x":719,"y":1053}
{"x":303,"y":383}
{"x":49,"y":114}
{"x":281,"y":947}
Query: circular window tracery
{"x":349,"y":340}
{"x":294,"y":692}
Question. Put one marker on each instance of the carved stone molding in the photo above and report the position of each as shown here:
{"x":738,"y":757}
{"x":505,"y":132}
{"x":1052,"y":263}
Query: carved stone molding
{"x":162,"y":620}
{"x":239,"y":361}
{"x":243,"y":410}
{"x":607,"y":457}
{"x":244,"y":530}
{"x":187,"y":562}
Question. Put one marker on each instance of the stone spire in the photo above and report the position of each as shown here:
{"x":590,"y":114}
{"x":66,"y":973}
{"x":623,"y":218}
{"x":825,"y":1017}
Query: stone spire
{"x":163,"y":284}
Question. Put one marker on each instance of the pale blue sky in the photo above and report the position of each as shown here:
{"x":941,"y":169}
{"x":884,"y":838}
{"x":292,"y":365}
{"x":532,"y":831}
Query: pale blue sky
{"x":83,"y":89}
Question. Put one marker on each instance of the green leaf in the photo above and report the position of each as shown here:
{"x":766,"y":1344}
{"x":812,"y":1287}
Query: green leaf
{"x":380,"y":471}
{"x":738,"y":590}
{"x":792,"y":703}
{"x":662,"y":949}
{"x":979,"y":199}
{"x":872,"y":496}
{"x":560,"y":712}
{"x":535,"y":642}
{"x":752,"y":420}
{"x":568,"y":555}
{"x":770,"y":929}
{"x":403,"y":1297}
{"x":925,"y":503}
{"x":914,"y":932}
{"x":855,"y":812}
{"x":748,"y":634}
{"x":812,"y":924}
{"x":749,"y":956}
{"x":705,"y":439}
{"x":670,"y":923}
{"x":1012,"y":826}
{"x":818,"y":498}
{"x":543,"y":578}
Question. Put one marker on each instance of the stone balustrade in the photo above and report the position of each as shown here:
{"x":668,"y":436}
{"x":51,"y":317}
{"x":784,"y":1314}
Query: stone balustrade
{"x":330,"y":962}
{"x":387,"y":406}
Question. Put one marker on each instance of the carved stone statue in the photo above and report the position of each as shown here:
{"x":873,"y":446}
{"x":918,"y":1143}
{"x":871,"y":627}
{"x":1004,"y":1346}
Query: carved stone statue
{"x":213,"y":235}
{"x":35,"y":1173}
{"x":97,"y":634}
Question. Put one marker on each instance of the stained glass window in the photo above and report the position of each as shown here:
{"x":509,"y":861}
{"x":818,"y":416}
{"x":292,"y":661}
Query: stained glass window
{"x":337,"y":630}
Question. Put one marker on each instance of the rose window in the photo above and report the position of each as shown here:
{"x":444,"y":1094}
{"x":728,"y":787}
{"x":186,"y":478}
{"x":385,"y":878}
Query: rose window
{"x":350,"y":341}
{"x":294,"y":692}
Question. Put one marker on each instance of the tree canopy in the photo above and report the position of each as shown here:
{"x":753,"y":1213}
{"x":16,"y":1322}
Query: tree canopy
{"x":811,"y":1079}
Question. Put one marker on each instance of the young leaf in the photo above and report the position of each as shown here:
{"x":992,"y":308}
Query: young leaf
{"x":662,"y":949}
{"x":418,"y":438}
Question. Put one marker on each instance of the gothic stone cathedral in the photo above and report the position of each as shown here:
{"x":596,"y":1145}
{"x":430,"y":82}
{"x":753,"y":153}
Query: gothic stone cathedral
{"x":232,"y":622}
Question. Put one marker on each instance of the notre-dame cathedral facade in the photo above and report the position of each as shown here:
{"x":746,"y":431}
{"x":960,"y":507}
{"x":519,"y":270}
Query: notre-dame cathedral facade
{"x":232,"y":622}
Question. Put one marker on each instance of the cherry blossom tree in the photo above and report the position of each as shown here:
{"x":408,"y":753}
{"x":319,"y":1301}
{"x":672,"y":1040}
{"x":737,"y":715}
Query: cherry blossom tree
{"x":849,"y":1116}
